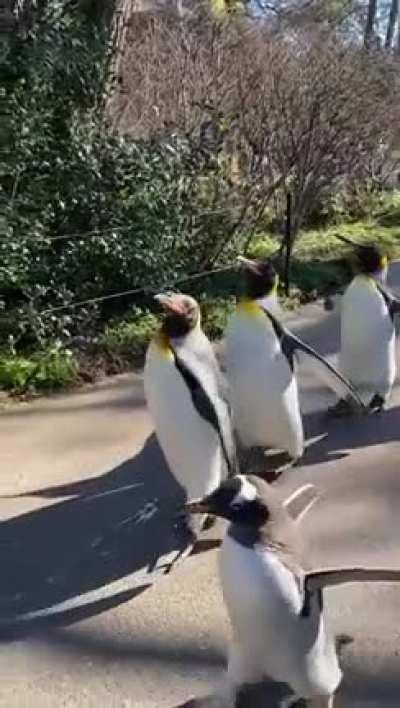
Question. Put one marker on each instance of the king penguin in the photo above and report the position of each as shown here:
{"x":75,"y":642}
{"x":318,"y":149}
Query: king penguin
{"x":367,"y":354}
{"x":275,"y":603}
{"x":260,"y":359}
{"x":187,"y":399}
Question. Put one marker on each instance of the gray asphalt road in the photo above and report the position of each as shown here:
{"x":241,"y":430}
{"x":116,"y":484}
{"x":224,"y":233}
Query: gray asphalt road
{"x":88,"y":546}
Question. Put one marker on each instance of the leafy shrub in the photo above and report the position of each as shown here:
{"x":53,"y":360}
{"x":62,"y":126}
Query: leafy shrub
{"x":87,"y":213}
{"x":263,"y":246}
{"x":215,"y":315}
{"x":388,"y":211}
{"x":50,"y":370}
{"x":129,"y":338}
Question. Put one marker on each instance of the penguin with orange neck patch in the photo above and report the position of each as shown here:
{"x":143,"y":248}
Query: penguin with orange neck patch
{"x":367,"y":354}
{"x":261,"y":355}
{"x":186,"y":397}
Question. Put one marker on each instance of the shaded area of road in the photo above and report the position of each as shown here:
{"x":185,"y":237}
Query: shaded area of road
{"x":99,"y":530}
{"x":115,"y":536}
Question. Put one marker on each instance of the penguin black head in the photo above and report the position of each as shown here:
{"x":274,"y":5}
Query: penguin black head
{"x":369,"y":259}
{"x":237,"y":499}
{"x":182,"y":313}
{"x":260,"y":277}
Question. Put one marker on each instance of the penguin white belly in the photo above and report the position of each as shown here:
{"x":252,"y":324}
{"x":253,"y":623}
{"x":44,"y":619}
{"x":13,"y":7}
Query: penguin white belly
{"x":189,"y":443}
{"x":367,"y":354}
{"x":264,"y":604}
{"x":264,"y":393}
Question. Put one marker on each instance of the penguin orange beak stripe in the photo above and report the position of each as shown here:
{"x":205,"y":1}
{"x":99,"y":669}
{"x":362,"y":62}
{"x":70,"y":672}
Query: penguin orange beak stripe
{"x":170,"y":302}
{"x":199,"y":506}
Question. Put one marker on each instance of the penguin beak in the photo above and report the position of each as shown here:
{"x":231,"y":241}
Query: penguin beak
{"x":169,"y":302}
{"x":199,"y":506}
{"x":248,"y":264}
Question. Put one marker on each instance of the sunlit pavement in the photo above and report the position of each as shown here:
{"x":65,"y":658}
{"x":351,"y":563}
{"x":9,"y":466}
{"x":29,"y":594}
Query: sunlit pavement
{"x":89,"y":551}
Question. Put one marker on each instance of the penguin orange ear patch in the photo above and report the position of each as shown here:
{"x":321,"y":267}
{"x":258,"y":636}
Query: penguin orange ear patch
{"x":176,"y":306}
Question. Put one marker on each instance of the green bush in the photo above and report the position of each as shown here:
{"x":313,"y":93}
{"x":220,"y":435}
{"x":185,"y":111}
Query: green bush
{"x":46,"y":371}
{"x":215,"y":314}
{"x":87,"y":213}
{"x":129,"y":338}
{"x":263,"y":246}
{"x":388,"y":211}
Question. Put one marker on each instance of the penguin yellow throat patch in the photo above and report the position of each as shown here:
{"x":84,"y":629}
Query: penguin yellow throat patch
{"x":163,"y":345}
{"x":250,"y":308}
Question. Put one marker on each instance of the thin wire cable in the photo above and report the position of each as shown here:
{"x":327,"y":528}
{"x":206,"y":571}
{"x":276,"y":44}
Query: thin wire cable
{"x":136,"y":291}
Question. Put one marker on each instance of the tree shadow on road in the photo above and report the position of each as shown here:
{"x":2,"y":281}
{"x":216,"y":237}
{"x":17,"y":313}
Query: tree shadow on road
{"x":83,"y":555}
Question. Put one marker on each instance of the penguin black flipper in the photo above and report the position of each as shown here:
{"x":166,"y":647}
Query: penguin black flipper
{"x":320,"y":579}
{"x":335,"y":380}
{"x":215,"y":412}
{"x":392,"y":303}
{"x":291,"y":345}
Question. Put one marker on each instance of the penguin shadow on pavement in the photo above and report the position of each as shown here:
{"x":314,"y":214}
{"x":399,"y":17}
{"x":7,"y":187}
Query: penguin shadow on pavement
{"x":338,"y":437}
{"x":108,"y":542}
{"x":262,"y":695}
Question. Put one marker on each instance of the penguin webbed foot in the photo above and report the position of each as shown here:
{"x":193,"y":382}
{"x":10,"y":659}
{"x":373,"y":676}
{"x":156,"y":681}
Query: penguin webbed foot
{"x":277,"y":464}
{"x":189,"y":528}
{"x":343,"y":408}
{"x":342,"y":641}
{"x":291,"y":462}
{"x":208,"y":522}
{"x":293,"y":702}
{"x":186,"y":533}
{"x":267,"y":466}
{"x":377,"y":404}
{"x":186,"y":527}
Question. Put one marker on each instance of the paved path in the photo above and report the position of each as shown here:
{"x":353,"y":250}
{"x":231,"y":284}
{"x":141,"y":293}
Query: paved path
{"x":86,"y":547}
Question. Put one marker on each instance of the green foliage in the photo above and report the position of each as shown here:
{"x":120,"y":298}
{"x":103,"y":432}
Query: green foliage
{"x":262,"y":246}
{"x":53,"y":369}
{"x":84,"y":213}
{"x":356,"y":202}
{"x":322,"y":244}
{"x":215,"y":314}
{"x":129,"y":337}
{"x":87,"y":213}
{"x":320,"y":261}
{"x":387,"y":213}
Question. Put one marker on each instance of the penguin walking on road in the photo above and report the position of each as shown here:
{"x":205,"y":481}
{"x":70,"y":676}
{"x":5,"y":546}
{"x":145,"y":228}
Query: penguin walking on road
{"x":275,"y":604}
{"x":187,"y":399}
{"x":367,"y":354}
{"x":260,"y":357}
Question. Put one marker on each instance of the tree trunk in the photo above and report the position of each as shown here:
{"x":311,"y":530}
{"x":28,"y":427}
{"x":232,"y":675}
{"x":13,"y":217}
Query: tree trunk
{"x":394,"y":11}
{"x":288,"y":243}
{"x":369,"y":33}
